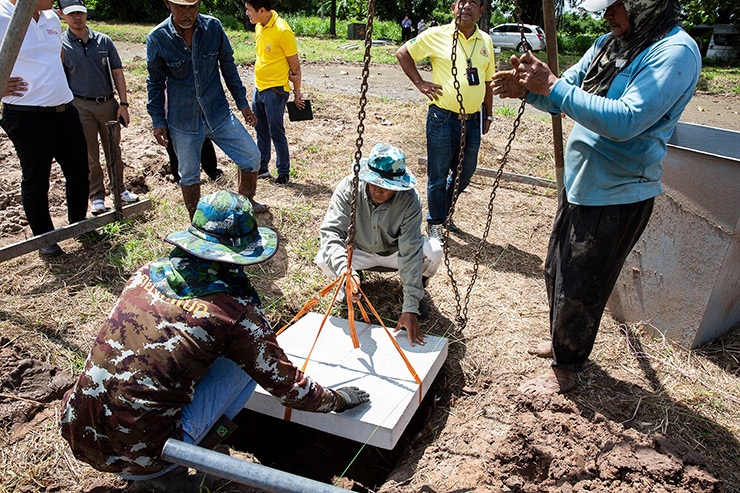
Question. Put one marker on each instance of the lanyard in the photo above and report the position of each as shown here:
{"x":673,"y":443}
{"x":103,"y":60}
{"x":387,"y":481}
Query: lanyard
{"x":468,"y":58}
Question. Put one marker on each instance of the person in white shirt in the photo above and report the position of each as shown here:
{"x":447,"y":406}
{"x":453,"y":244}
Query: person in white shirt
{"x":40,"y":120}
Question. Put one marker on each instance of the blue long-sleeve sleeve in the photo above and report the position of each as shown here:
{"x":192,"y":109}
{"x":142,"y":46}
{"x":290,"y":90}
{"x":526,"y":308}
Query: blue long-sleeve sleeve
{"x":615,"y":151}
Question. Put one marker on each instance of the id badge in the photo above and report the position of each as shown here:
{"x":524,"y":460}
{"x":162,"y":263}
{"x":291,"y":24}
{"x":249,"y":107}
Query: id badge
{"x":472,"y":74}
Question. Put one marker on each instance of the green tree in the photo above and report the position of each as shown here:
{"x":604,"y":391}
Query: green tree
{"x":712,"y":12}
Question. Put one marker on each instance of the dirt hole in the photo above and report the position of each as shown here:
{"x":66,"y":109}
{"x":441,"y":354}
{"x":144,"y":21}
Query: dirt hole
{"x":320,"y":456}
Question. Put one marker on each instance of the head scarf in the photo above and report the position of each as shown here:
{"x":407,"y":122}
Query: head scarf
{"x":649,"y":20}
{"x":183,"y":276}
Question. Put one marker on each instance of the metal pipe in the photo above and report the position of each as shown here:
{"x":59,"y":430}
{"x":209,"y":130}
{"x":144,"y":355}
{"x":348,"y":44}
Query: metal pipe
{"x":233,"y":469}
{"x":13,"y":39}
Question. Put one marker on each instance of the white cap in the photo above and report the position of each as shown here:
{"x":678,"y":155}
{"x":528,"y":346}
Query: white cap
{"x":596,"y":5}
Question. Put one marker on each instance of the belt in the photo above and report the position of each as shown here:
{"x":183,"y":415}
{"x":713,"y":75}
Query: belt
{"x":468,"y":116}
{"x":99,"y":99}
{"x":38,"y":109}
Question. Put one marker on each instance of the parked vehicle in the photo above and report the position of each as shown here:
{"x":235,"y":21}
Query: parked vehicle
{"x":508,"y":36}
{"x":718,"y":42}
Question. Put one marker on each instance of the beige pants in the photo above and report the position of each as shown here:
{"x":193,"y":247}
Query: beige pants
{"x":93,"y":117}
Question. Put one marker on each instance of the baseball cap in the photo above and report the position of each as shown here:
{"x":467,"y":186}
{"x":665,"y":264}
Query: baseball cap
{"x":69,"y":6}
{"x":596,"y":5}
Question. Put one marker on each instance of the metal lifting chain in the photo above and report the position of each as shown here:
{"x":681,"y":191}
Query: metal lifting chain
{"x":361,"y":120}
{"x":462,"y":305}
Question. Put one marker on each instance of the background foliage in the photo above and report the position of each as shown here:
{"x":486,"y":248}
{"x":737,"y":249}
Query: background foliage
{"x":576,"y":30}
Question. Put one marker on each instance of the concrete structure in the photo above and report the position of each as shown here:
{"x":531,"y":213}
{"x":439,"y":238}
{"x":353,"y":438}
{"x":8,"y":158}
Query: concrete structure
{"x":375,"y":367}
{"x":683,"y":276}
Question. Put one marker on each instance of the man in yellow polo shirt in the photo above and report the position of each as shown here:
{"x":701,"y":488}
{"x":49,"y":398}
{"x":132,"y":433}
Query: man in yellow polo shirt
{"x":475,"y":68}
{"x":277,"y":59}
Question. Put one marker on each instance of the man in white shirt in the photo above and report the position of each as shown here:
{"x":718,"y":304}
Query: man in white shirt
{"x":37,"y":102}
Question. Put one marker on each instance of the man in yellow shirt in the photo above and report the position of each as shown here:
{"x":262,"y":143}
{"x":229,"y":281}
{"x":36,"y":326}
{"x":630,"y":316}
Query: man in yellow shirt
{"x":475,"y":68}
{"x":277,"y":60}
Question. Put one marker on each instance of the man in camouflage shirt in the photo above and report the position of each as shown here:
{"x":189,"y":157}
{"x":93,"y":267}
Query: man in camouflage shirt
{"x":170,"y":361}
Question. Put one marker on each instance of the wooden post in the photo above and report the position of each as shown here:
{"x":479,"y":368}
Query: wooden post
{"x":113,"y":132}
{"x":551,"y":40}
{"x":13,"y":39}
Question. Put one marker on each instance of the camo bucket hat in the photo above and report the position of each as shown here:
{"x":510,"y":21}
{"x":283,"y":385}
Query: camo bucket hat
{"x":386,"y":168}
{"x":224,"y":229}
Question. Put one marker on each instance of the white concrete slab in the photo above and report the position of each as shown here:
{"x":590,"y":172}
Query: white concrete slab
{"x":375,"y":367}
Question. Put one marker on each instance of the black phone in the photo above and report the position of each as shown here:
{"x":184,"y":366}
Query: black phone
{"x":122,"y":121}
{"x":472,"y":74}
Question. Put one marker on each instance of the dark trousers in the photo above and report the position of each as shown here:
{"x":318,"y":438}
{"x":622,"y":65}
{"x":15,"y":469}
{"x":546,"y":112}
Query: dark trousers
{"x":587,"y":250}
{"x":405,"y":33}
{"x":38,"y":138}
{"x":207,"y":158}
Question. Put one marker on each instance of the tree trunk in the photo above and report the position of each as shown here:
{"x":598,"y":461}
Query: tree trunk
{"x":242,"y":15}
{"x":333,"y":19}
{"x":485,"y":20}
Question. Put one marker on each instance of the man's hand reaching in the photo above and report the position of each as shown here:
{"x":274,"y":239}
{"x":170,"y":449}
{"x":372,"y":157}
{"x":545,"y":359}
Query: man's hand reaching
{"x":410,"y":322}
{"x":505,"y":84}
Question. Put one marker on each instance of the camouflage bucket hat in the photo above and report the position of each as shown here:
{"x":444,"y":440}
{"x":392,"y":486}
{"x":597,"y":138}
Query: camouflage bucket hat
{"x":386,"y":168}
{"x":224,"y":229}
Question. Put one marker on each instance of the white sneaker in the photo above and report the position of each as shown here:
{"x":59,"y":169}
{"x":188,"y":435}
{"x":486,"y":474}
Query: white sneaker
{"x":127,"y":196}
{"x":98,"y":207}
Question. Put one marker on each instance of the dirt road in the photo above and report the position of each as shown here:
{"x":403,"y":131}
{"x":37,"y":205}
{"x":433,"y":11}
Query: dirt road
{"x":389,"y":82}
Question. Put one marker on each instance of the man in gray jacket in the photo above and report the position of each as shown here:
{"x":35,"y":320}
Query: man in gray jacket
{"x":388,"y":232}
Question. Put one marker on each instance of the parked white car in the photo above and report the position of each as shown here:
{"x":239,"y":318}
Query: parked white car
{"x":719,"y":42}
{"x":508,"y":36}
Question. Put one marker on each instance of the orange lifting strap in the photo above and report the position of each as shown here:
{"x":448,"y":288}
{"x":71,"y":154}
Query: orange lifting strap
{"x":346,"y":277}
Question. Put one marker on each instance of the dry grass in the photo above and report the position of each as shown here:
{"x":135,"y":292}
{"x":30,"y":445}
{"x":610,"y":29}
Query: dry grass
{"x":52,"y":311}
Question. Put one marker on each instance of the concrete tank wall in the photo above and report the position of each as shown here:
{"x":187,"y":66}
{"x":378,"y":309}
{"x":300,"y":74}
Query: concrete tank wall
{"x":683,"y":276}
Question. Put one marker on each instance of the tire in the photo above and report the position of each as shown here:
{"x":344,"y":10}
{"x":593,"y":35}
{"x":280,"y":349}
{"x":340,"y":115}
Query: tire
{"x":523,"y":46}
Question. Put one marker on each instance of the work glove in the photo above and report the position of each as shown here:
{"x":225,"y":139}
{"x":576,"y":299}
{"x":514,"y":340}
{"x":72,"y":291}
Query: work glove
{"x":349,"y":397}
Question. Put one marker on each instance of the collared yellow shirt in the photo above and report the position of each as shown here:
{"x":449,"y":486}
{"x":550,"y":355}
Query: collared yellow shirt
{"x":436,"y":43}
{"x":274,"y":43}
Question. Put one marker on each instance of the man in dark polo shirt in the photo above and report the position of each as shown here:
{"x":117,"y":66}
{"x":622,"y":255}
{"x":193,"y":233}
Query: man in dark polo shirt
{"x":92,"y":66}
{"x":42,"y":123}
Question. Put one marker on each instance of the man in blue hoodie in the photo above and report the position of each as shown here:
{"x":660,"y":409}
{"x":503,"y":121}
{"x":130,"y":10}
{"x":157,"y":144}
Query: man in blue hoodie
{"x":625,"y":95}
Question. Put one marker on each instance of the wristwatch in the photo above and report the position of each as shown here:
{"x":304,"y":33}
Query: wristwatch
{"x":489,"y":118}
{"x":123,"y":103}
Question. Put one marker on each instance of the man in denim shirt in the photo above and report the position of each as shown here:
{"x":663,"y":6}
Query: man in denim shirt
{"x":184,"y":53}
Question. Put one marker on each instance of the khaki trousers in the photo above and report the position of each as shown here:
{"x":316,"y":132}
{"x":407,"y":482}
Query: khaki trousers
{"x":93,"y":117}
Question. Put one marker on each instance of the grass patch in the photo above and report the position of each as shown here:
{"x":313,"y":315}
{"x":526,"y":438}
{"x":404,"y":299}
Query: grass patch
{"x":717,"y":79}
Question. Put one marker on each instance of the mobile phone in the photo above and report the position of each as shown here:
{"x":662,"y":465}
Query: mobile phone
{"x":472,"y":74}
{"x":122,"y":121}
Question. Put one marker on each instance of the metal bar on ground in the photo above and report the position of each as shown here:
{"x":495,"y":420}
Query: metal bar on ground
{"x":506,"y":176}
{"x":78,"y":228}
{"x":113,"y":133}
{"x":525,"y":179}
{"x":14,"y":36}
{"x":551,"y":42}
{"x":240,"y":471}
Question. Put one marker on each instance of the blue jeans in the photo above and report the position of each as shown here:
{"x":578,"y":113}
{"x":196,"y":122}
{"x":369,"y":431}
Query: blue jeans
{"x":223,"y":391}
{"x":231,"y":137}
{"x":269,"y":107}
{"x":443,"y":147}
